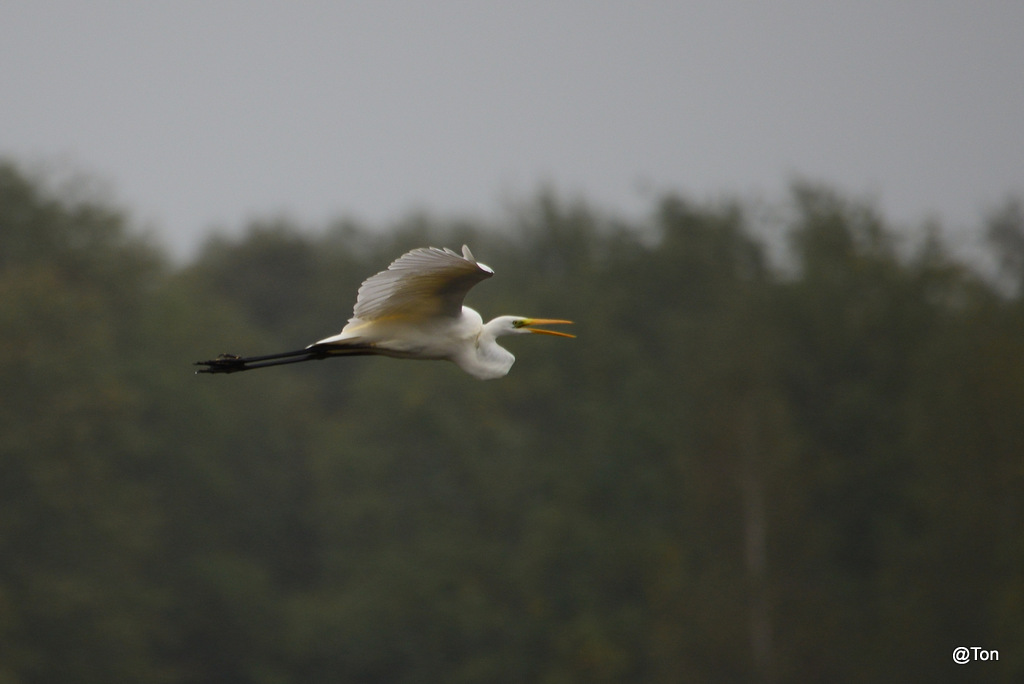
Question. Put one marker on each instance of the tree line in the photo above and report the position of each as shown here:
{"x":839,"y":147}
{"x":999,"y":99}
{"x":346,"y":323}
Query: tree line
{"x":746,"y":468}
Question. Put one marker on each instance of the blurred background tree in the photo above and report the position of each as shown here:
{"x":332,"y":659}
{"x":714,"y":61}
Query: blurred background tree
{"x":739,"y":471}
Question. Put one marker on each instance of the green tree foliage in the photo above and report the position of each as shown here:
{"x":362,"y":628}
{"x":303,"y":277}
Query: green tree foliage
{"x":737,"y":472}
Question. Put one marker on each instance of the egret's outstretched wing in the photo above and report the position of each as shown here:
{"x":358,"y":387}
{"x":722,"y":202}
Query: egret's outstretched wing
{"x":423,"y":283}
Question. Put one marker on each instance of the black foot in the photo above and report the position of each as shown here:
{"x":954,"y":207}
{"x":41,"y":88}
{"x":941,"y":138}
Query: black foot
{"x":224,"y":363}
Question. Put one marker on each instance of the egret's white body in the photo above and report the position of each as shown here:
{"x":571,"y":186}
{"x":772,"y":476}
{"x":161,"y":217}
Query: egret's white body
{"x":414,"y":310}
{"x":464,"y":340}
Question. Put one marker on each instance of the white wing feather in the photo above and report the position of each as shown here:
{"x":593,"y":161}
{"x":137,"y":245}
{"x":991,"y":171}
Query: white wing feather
{"x":423,"y":283}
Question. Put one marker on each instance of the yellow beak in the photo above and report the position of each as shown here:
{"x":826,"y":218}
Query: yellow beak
{"x":546,"y":321}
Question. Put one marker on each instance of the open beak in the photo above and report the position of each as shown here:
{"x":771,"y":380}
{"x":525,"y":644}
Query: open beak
{"x":546,"y":321}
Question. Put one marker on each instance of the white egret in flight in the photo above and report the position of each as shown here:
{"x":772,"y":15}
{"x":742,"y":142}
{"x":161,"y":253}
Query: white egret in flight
{"x":414,"y":310}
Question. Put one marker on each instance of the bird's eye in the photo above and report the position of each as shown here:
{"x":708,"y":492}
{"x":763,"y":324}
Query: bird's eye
{"x":518,"y":323}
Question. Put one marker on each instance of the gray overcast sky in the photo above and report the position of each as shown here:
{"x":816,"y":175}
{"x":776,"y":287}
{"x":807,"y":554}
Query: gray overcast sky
{"x":210,"y":113}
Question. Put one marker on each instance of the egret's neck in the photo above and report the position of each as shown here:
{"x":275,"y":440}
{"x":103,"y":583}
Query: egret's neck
{"x":493,"y":329}
{"x":488,"y":360}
